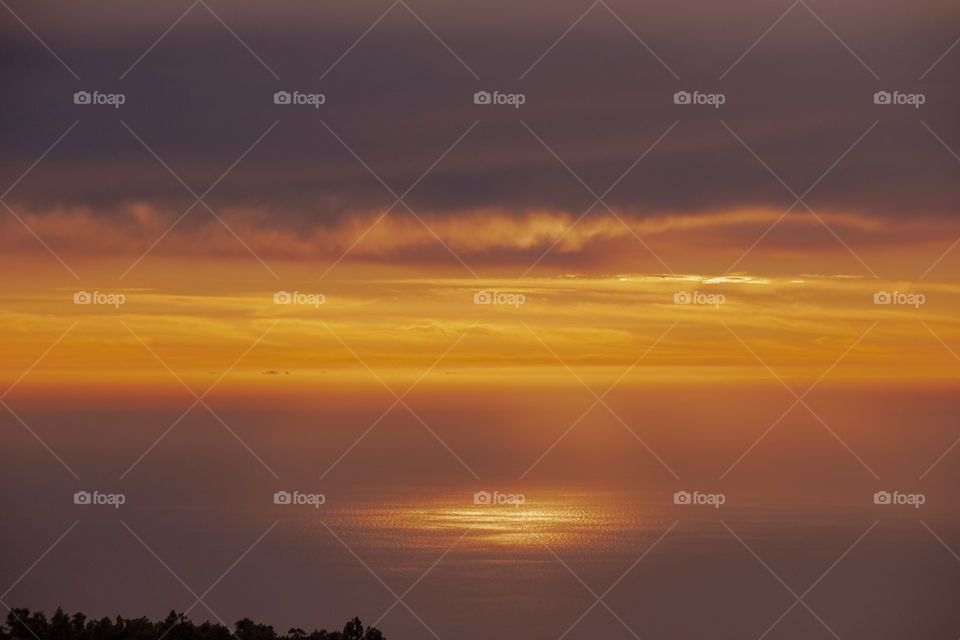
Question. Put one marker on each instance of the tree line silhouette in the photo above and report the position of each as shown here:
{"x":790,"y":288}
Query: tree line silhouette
{"x":22,"y":624}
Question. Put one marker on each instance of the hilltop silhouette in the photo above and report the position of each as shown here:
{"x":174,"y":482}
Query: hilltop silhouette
{"x":21,"y":624}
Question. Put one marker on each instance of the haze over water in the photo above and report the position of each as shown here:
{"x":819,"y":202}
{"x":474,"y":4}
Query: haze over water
{"x":604,"y":515}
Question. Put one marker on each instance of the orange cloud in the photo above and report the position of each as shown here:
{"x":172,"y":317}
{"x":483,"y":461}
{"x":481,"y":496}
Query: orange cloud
{"x":398,"y":235}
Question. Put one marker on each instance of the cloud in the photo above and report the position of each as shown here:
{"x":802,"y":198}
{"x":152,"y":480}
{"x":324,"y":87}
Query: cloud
{"x":399,"y":100}
{"x":481,"y":237}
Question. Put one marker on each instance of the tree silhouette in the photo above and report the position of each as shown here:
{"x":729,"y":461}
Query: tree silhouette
{"x":22,"y":624}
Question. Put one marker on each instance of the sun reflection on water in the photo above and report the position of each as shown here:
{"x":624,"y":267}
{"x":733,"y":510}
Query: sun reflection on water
{"x":556,"y":519}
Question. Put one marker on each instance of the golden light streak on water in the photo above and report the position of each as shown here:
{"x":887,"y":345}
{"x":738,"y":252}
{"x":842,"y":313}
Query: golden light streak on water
{"x":557,"y":519}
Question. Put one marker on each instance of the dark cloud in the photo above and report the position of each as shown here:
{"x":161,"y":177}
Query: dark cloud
{"x":398,"y":100}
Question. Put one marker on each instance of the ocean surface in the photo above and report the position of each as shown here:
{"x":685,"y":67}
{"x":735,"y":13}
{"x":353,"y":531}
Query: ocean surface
{"x":596,"y":546}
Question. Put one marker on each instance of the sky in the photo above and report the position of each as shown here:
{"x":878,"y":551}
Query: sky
{"x":597,"y":195}
{"x":675,"y":229}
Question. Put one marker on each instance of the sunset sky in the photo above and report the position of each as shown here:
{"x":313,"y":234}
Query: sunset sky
{"x":597,"y":198}
{"x":703,"y":264}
